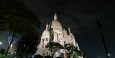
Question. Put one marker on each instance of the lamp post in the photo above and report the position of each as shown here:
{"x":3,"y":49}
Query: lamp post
{"x":103,"y":40}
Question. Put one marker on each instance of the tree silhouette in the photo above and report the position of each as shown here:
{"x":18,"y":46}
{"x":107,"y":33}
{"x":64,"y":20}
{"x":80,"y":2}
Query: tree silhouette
{"x":16,"y":18}
{"x":27,"y":45}
{"x":53,"y":47}
{"x":2,"y":51}
{"x":72,"y":50}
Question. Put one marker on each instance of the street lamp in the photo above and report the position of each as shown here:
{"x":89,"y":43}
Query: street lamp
{"x":0,"y":43}
{"x":109,"y":54}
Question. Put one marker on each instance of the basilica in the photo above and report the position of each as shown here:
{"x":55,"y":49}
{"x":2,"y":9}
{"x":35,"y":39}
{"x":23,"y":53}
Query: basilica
{"x":60,"y":35}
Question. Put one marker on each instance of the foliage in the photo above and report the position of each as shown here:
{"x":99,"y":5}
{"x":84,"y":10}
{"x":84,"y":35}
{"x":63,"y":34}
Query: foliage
{"x":3,"y":56}
{"x":79,"y":53}
{"x":53,"y":47}
{"x":28,"y":44}
{"x":2,"y":51}
{"x":16,"y":18}
{"x":73,"y":51}
{"x":69,"y":47}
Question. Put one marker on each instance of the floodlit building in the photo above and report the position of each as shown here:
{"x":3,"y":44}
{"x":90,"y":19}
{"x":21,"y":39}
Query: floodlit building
{"x":60,"y":35}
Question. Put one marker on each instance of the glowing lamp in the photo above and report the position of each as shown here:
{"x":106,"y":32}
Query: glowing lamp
{"x":0,"y":43}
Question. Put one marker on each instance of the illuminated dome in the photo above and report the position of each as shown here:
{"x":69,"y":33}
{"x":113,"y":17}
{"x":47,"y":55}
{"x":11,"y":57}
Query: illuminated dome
{"x":55,"y":23}
{"x":46,"y":32}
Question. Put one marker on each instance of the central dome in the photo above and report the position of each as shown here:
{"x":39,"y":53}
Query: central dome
{"x":55,"y":23}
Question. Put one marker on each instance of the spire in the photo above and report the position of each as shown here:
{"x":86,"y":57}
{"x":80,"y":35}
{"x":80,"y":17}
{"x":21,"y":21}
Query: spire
{"x":47,"y":26}
{"x":69,"y":29}
{"x":55,"y":16}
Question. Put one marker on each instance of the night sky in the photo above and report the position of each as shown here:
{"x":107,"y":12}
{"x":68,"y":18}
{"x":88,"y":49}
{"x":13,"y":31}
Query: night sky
{"x":81,"y":16}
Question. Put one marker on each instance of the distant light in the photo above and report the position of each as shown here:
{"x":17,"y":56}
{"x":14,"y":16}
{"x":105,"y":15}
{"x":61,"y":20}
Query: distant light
{"x":0,"y":43}
{"x":99,"y":57}
{"x":11,"y":45}
{"x":109,"y":54}
{"x":32,"y":56}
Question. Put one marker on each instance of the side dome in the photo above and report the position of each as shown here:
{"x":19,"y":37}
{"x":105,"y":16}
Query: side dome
{"x":46,"y":31}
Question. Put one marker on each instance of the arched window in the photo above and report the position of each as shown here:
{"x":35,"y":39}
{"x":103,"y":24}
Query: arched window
{"x":43,"y":40}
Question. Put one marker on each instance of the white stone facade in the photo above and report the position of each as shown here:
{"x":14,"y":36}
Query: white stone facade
{"x":60,"y":35}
